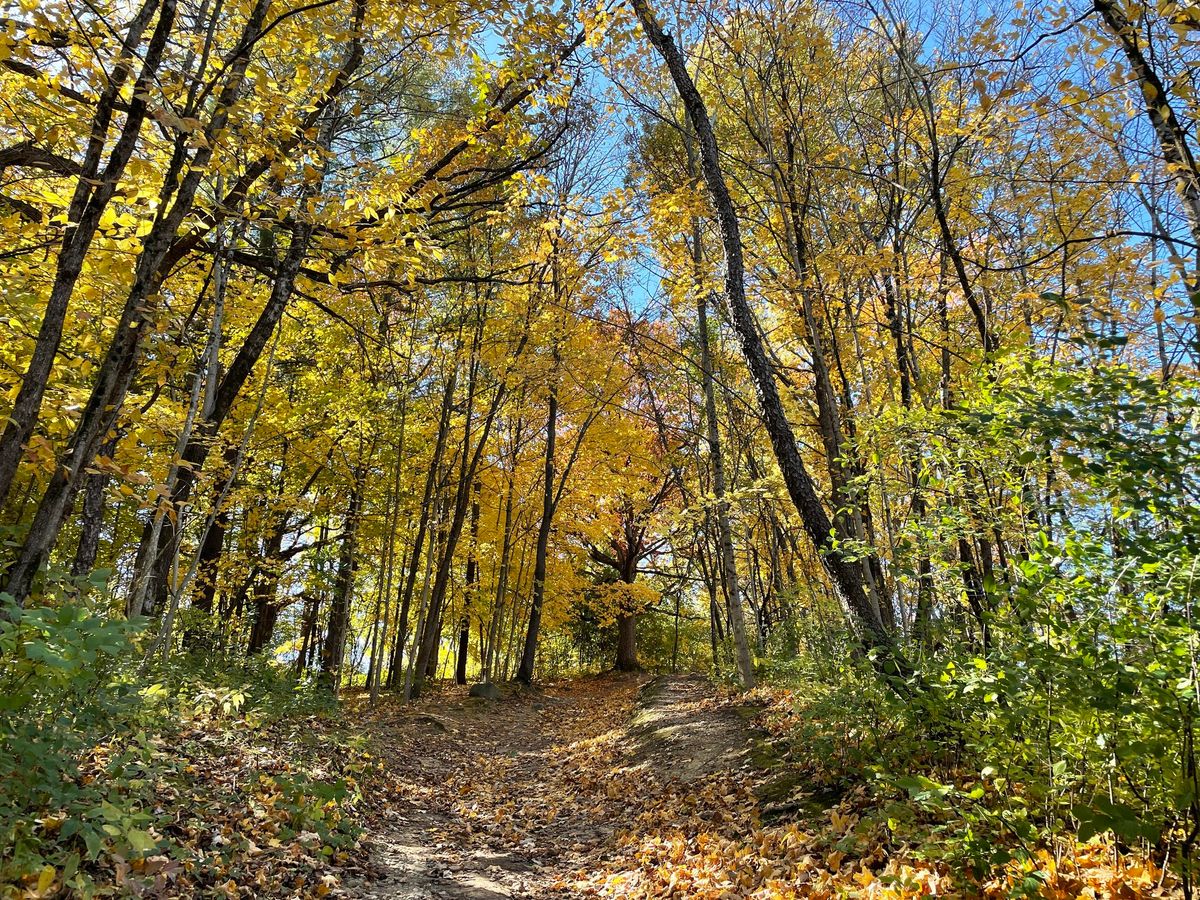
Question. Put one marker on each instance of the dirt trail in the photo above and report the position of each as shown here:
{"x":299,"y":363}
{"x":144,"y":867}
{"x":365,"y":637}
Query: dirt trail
{"x":631,"y":789}
{"x":533,"y":795}
{"x":680,"y":730}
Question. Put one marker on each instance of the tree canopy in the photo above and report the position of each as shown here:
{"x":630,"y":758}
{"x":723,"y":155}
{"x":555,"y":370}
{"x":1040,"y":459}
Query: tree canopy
{"x":382,"y":345}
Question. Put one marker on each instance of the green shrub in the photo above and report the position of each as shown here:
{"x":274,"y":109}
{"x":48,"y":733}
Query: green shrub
{"x":61,"y":691}
{"x":1078,"y":716}
{"x":91,"y":736}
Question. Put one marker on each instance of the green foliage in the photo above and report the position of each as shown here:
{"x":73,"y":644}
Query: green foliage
{"x":60,"y":688}
{"x":254,"y":687}
{"x":1077,"y":714}
{"x":91,"y":738}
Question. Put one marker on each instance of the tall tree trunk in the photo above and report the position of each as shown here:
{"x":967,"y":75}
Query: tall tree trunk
{"x":627,"y":660}
{"x":436,"y":544}
{"x":213,"y":545}
{"x":431,"y":476}
{"x":92,"y":517}
{"x":334,"y":648}
{"x":94,"y":189}
{"x":195,"y":454}
{"x":308,"y":628}
{"x":724,"y":532}
{"x":263,"y":607}
{"x":834,"y":424}
{"x":427,"y":654}
{"x":431,"y":663}
{"x":469,"y":591}
{"x":120,"y":363}
{"x":501,"y":580}
{"x":1179,"y":160}
{"x":924,"y":611}
{"x":529,"y":655}
{"x":845,"y":574}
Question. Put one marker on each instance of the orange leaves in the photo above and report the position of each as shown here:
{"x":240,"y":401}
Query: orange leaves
{"x":1096,"y":869}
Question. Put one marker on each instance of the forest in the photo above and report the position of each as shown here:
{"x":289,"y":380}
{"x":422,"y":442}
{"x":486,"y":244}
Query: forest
{"x":601,"y":448}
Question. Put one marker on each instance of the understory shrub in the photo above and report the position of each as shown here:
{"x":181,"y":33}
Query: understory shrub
{"x":1064,"y":708}
{"x":91,"y":751}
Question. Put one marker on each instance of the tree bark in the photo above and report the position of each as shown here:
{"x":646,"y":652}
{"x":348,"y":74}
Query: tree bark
{"x":213,"y":545}
{"x":431,"y":475}
{"x":1179,"y":160}
{"x":195,"y":454}
{"x":724,"y":532}
{"x":492,"y":652}
{"x":627,"y":660}
{"x":334,"y":648}
{"x":846,"y":575}
{"x":94,"y":189}
{"x":529,"y":655}
{"x":427,"y":654}
{"x":469,"y":591}
{"x":92,"y":517}
{"x":262,"y":598}
{"x":120,"y":363}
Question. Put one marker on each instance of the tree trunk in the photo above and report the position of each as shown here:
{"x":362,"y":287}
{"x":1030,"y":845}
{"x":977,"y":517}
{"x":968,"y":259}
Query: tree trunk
{"x":529,"y":655}
{"x":116,"y":372}
{"x":1179,"y":162}
{"x":431,"y":475}
{"x":427,"y":655}
{"x":93,"y":192}
{"x":846,"y":575}
{"x":437,"y":542}
{"x":195,"y":454}
{"x":308,"y":628}
{"x":334,"y":648}
{"x":724,"y":532}
{"x":494,"y":631}
{"x":92,"y":517}
{"x":472,"y":586}
{"x":213,"y":545}
{"x":262,"y":603}
{"x":266,"y":614}
{"x":627,"y":643}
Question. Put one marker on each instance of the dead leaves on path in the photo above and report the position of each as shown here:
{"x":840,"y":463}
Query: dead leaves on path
{"x":706,"y":841}
{"x":550,"y":792}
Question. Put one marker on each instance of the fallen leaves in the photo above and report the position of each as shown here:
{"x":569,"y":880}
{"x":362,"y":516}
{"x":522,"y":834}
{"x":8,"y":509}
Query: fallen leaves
{"x":596,"y":809}
{"x":210,"y":806}
{"x":546,"y":794}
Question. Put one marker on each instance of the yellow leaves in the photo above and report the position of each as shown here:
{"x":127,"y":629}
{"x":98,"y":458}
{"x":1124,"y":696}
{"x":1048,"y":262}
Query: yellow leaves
{"x":164,"y":115}
{"x":842,"y":822}
{"x":865,"y":878}
{"x":45,"y":881}
{"x":51,"y":824}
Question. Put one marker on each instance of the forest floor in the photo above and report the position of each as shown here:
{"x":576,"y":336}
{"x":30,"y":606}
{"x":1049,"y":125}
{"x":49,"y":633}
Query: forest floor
{"x":665,"y":788}
{"x":638,"y":787}
{"x":547,"y":791}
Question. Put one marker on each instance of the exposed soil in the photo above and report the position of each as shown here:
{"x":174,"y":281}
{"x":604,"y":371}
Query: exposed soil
{"x":679,"y":730}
